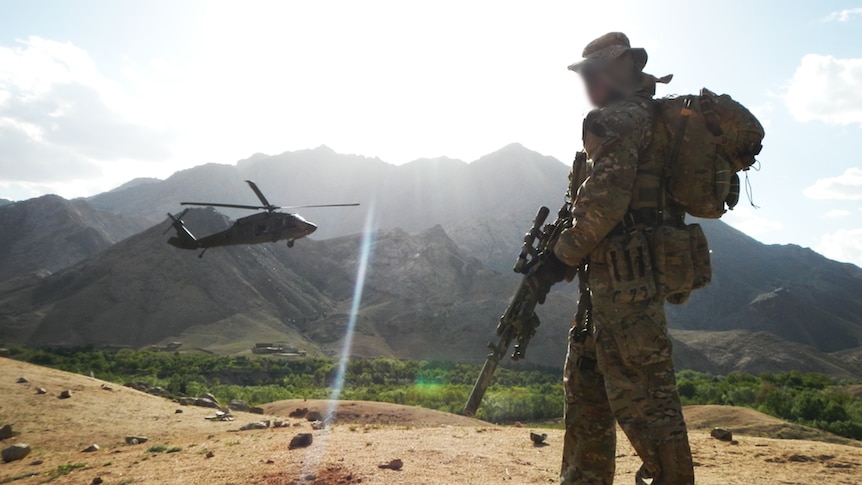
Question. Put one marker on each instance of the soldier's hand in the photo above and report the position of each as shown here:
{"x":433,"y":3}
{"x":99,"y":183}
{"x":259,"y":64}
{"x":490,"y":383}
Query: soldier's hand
{"x":548,"y":272}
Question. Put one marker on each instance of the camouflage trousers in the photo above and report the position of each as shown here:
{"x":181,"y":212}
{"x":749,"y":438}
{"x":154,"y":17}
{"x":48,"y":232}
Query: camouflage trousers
{"x":621,"y":372}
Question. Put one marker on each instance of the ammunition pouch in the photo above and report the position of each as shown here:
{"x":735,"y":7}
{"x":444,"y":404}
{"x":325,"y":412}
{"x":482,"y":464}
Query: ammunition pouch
{"x":681,"y":261}
{"x":630,"y":265}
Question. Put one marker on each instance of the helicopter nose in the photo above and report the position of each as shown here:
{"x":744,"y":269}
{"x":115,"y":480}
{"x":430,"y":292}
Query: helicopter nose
{"x":309,"y":228}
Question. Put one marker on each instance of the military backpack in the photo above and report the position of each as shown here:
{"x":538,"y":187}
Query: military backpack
{"x":709,"y":138}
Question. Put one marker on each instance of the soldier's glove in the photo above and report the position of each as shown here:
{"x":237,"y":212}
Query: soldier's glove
{"x":548,"y":272}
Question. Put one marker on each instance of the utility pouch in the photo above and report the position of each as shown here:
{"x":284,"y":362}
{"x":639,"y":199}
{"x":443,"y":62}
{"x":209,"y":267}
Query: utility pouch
{"x":673,"y":262}
{"x":699,"y":257}
{"x":630,"y":265}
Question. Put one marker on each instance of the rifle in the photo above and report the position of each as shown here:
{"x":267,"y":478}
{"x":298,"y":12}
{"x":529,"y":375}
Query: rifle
{"x":519,"y":322}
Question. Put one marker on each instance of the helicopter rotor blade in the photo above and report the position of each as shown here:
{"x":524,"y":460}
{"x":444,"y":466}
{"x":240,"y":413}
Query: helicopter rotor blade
{"x":260,"y":195}
{"x":318,"y":205}
{"x":234,"y":206}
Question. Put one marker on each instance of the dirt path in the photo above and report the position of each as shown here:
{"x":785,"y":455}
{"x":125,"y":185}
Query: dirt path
{"x":436,"y":448}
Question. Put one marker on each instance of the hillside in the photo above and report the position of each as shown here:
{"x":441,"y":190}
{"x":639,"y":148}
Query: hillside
{"x":432,"y":450}
{"x":424,"y":298}
{"x":49,"y":233}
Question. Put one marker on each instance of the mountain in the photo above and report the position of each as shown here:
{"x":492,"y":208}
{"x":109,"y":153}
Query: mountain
{"x":423,"y":298}
{"x":5,"y":202}
{"x":50,"y":233}
{"x":511,"y":182}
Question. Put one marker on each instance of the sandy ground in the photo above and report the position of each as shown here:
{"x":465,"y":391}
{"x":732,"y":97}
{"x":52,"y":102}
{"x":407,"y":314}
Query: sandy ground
{"x":436,"y":448}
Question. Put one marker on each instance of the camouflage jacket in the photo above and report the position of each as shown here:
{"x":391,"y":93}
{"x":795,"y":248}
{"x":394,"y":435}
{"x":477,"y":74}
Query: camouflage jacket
{"x":615,"y":137}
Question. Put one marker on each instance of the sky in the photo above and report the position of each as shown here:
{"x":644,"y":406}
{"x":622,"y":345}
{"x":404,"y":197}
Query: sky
{"x":95,"y":93}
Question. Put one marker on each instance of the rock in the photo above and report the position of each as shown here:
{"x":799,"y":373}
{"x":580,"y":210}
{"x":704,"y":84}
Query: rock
{"x":210,"y":454}
{"x":6,"y":431}
{"x":313,"y":416}
{"x":206,"y":403}
{"x":296,"y":425}
{"x":255,"y":425}
{"x":41,"y":390}
{"x":91,"y":448}
{"x":158,"y":391}
{"x":178,"y":411}
{"x":15,"y":452}
{"x":96,"y":481}
{"x":395,"y":464}
{"x":537,"y":438}
{"x":318,"y":425}
{"x":721,"y":434}
{"x":255,"y":410}
{"x":279,"y":424}
{"x":138,"y":386}
{"x":36,"y":463}
{"x":210,"y":397}
{"x":518,"y":424}
{"x":107,"y":388}
{"x":298,"y":413}
{"x":65,"y":394}
{"x":238,"y":405}
{"x":136,"y":440}
{"x":302,"y":440}
{"x":5,"y":353}
{"x":22,"y":380}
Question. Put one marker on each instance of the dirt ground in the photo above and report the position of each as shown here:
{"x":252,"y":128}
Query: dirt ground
{"x":436,"y":448}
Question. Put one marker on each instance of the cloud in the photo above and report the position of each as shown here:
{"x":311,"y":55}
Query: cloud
{"x":847,"y":186}
{"x":836,"y":213}
{"x":843,"y":15}
{"x":60,"y":119}
{"x":842,"y":245}
{"x":827,"y":89}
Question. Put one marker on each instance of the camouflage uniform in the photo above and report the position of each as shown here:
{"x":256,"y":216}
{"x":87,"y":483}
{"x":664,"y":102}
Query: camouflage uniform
{"x":620,"y":368}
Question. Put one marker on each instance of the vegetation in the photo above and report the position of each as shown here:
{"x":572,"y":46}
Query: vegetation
{"x":521,"y":394}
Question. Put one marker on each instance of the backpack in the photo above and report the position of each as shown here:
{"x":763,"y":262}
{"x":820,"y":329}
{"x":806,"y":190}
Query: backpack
{"x":709,"y":139}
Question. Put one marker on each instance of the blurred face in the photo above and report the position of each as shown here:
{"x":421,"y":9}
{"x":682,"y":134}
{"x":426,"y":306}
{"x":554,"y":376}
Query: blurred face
{"x":599,"y":91}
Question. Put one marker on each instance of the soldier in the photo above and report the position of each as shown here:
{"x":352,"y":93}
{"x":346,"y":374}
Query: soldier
{"x":619,"y":366}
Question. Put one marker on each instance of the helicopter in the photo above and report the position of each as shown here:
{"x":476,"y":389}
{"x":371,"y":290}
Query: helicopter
{"x":263,"y":227}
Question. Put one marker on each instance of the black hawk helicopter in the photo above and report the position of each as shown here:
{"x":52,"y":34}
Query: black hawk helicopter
{"x":263,"y":227}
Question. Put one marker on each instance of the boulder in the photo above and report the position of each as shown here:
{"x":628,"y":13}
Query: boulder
{"x":41,"y":390}
{"x":5,"y":353}
{"x":206,"y":403}
{"x":6,"y":431}
{"x":209,"y":396}
{"x":395,"y":464}
{"x":538,"y":439}
{"x":22,"y":380}
{"x":314,"y":416}
{"x":256,"y":410}
{"x":15,"y":452}
{"x":91,"y":448}
{"x":255,"y":425}
{"x":721,"y":434}
{"x":65,"y":394}
{"x":298,"y":413}
{"x":238,"y":405}
{"x":302,"y":440}
{"x":136,"y":440}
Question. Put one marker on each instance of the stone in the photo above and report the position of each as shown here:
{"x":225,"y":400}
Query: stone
{"x":36,"y":463}
{"x":136,"y":440}
{"x":255,"y":425}
{"x":238,"y":405}
{"x":22,"y":380}
{"x":537,"y":438}
{"x":15,"y":452}
{"x":206,"y":403}
{"x":302,"y":440}
{"x":91,"y":448}
{"x":721,"y":434}
{"x":395,"y":464}
{"x":107,"y":388}
{"x":96,"y":481}
{"x":209,"y":396}
{"x":210,"y":454}
{"x":279,"y":424}
{"x":317,"y":425}
{"x":178,"y":411}
{"x":298,"y":413}
{"x":5,"y":353}
{"x":6,"y":431}
{"x":65,"y":394}
{"x":313,"y":416}
{"x":41,"y":390}
{"x":256,"y":410}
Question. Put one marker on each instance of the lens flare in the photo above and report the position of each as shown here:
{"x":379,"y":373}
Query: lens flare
{"x":366,"y":248}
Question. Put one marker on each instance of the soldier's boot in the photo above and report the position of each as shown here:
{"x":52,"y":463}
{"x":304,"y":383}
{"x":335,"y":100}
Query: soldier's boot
{"x":589,"y":446}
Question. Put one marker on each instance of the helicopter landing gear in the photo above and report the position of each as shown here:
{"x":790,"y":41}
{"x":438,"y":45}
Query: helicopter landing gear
{"x":290,"y":243}
{"x":201,"y":255}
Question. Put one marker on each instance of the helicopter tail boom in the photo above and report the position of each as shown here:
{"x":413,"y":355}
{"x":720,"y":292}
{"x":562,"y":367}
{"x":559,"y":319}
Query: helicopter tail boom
{"x":184,"y":238}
